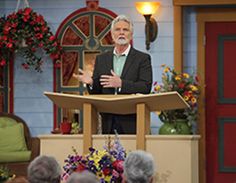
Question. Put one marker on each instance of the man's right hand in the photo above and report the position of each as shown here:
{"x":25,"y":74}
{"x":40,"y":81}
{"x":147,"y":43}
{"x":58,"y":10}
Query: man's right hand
{"x":84,"y":77}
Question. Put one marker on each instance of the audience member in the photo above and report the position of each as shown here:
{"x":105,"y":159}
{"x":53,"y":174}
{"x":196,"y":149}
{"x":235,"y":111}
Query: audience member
{"x":17,"y":180}
{"x":44,"y":169}
{"x":83,"y":177}
{"x":139,"y":167}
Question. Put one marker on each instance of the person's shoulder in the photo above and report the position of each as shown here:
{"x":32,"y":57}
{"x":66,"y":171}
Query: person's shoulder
{"x":138,"y":52}
{"x":105,"y":53}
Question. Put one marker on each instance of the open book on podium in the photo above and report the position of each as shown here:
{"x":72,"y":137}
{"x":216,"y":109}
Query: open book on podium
{"x":141,"y":104}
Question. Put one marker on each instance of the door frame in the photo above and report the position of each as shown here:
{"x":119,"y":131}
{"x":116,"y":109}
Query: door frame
{"x":206,"y":15}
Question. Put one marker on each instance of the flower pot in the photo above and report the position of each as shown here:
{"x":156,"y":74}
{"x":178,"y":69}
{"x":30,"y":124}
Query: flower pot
{"x":180,"y":126}
{"x":65,"y":127}
{"x":168,"y":129}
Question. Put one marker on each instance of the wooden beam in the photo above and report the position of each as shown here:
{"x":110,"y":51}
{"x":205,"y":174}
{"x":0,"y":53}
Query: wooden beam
{"x":143,"y":125}
{"x":178,"y":39}
{"x":203,"y":2}
{"x":90,"y":125}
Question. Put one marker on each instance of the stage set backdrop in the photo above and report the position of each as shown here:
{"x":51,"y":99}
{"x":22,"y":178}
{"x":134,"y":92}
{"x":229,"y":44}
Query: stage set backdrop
{"x":23,"y":89}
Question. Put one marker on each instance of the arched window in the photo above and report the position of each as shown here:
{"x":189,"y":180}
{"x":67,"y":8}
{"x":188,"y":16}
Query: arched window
{"x":83,"y":34}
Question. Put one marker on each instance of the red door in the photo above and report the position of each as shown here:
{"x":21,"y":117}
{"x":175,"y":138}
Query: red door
{"x":221,"y":102}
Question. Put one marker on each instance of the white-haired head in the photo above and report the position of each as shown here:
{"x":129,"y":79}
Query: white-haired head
{"x":139,"y":167}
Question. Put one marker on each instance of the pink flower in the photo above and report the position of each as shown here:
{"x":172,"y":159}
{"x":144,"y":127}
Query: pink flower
{"x":115,"y":173}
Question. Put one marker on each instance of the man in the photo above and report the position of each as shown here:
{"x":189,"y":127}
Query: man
{"x":44,"y":169}
{"x":125,"y":70}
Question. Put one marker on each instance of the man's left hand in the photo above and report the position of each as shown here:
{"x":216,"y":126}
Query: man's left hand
{"x":111,"y":81}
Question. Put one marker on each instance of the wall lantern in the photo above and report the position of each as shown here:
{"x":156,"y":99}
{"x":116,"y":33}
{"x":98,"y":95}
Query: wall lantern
{"x":147,"y":9}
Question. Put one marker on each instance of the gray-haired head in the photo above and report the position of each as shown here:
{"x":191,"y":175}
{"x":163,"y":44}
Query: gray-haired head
{"x":83,"y":177}
{"x":139,"y":167}
{"x":122,"y":18}
{"x":44,"y":169}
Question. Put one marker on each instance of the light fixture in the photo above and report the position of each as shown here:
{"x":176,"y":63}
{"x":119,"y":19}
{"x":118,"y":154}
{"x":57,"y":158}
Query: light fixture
{"x":147,"y":9}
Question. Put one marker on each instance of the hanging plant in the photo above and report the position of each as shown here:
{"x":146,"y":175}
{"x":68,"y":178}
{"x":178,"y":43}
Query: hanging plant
{"x":29,"y":27}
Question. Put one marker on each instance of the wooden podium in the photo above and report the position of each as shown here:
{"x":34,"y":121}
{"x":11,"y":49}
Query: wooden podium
{"x":140,"y":104}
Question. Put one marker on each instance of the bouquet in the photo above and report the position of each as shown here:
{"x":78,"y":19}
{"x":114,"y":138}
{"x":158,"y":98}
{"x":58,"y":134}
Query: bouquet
{"x":187,"y":86}
{"x":106,"y":164}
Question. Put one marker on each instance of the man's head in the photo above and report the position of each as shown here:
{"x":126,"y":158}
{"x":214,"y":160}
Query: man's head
{"x":83,"y":177}
{"x":139,"y":167}
{"x":44,"y":169}
{"x":121,"y":30}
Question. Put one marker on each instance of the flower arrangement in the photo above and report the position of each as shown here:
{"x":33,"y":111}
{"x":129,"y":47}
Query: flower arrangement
{"x":106,"y":164}
{"x":30,"y":28}
{"x":187,"y":86}
{"x":5,"y":174}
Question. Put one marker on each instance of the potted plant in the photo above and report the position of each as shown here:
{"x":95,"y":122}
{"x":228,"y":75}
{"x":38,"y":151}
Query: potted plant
{"x":178,"y":121}
{"x":28,"y":27}
{"x":65,"y":126}
{"x":5,"y":174}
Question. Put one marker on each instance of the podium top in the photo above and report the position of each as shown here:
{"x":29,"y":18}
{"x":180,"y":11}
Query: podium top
{"x":120,"y":104}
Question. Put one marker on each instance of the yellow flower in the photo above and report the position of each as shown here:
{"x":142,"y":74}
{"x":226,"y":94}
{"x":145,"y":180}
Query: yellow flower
{"x":186,"y":98}
{"x":193,"y":88}
{"x":107,"y":178}
{"x":193,"y":100}
{"x":177,"y":78}
{"x":157,"y":88}
{"x":166,"y":69}
{"x":185,"y":75}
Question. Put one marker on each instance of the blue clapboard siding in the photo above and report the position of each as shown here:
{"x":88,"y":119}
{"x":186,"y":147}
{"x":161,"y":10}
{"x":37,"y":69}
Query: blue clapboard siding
{"x":37,"y":110}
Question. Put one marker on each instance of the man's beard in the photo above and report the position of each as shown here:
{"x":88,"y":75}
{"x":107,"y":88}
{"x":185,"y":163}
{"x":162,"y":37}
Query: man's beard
{"x":122,"y":41}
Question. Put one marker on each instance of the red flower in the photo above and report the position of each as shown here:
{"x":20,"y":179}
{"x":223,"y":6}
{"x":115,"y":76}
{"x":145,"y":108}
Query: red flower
{"x":3,"y":62}
{"x":80,"y":168}
{"x":44,"y":29}
{"x":118,"y":164}
{"x":9,"y":45}
{"x":33,"y":49}
{"x":32,"y":23}
{"x":27,"y":11}
{"x":36,"y":29}
{"x":25,"y":66}
{"x":39,"y":36}
{"x":14,"y":25}
{"x":54,"y":44}
{"x":40,"y":45}
{"x":6,"y":29}
{"x":26,"y":18}
{"x":4,"y":38}
{"x":52,"y":38}
{"x":107,"y":171}
{"x":181,"y":85}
